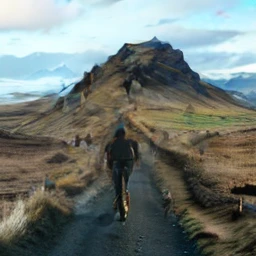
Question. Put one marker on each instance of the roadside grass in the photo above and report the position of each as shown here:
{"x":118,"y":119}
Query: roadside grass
{"x":211,"y":227}
{"x":190,"y":218}
{"x":42,"y":208}
{"x":74,"y":184}
{"x":216,"y":164}
{"x":192,"y":226}
{"x":26,"y":222}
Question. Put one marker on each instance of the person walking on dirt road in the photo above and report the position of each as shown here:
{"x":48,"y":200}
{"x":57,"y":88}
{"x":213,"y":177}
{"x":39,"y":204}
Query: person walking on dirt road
{"x":122,"y":154}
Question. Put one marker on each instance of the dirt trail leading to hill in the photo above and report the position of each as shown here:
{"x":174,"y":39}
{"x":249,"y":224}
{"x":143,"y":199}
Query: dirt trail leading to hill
{"x":96,"y":231}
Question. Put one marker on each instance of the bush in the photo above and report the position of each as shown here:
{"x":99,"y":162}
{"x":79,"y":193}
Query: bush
{"x":58,"y":159}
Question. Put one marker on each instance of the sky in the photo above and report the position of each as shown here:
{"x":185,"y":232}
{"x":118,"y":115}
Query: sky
{"x":216,"y":36}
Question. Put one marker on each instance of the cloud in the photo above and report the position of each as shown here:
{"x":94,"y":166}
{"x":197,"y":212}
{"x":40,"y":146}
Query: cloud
{"x":240,"y":44}
{"x":187,"y":7}
{"x":106,"y":2}
{"x":202,"y":61}
{"x":162,"y":22}
{"x":97,"y":3}
{"x":189,"y":38}
{"x":223,"y":14}
{"x":15,"y":39}
{"x":33,"y":15}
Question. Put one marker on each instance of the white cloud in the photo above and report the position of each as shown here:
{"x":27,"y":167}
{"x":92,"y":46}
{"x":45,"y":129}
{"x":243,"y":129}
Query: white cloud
{"x":182,"y":8}
{"x":99,"y":3}
{"x":32,"y":15}
{"x":227,"y":73}
{"x":240,"y":44}
{"x":182,"y":37}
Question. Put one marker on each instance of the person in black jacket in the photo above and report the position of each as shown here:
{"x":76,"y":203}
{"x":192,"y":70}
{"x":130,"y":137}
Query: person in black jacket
{"x":122,"y":154}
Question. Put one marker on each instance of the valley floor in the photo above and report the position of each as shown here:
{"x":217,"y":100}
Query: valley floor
{"x":207,"y":170}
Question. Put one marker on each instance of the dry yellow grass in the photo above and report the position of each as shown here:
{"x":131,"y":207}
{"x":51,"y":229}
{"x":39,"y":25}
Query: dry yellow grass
{"x":29,"y":212}
{"x":213,"y":226}
{"x":219,"y":163}
{"x":24,"y":164}
{"x":74,"y":184}
{"x":230,"y":160}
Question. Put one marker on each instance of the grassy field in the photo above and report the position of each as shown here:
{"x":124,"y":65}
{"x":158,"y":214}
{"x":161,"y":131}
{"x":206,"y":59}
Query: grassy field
{"x":26,"y":161}
{"x":168,"y":120}
{"x":232,"y":159}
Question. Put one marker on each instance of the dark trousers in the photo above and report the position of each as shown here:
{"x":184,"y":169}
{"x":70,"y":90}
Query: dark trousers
{"x":120,"y":166}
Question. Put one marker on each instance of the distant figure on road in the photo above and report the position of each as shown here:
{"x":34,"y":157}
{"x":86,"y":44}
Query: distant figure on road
{"x":88,"y":139}
{"x":77,"y":140}
{"x":128,"y":83}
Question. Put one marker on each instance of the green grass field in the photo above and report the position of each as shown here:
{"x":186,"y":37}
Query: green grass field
{"x":186,"y":121}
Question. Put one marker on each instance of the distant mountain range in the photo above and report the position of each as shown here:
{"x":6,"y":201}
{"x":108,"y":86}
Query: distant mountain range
{"x":241,"y":85}
{"x":252,"y":97}
{"x":246,"y":101}
{"x":62,"y":71}
{"x":39,"y":65}
{"x":243,"y":82}
{"x":21,"y":68}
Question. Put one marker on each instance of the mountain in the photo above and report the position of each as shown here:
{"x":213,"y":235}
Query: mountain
{"x":246,"y":101}
{"x":20,"y":68}
{"x":216,"y":82}
{"x":159,"y":70}
{"x":241,"y":86}
{"x":243,"y":82}
{"x":150,"y":82}
{"x":62,"y":71}
{"x":252,"y":97}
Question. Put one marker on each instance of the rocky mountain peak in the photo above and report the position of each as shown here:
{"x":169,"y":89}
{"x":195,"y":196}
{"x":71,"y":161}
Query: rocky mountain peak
{"x":155,"y":39}
{"x":156,"y":43}
{"x":156,"y":59}
{"x":150,"y":63}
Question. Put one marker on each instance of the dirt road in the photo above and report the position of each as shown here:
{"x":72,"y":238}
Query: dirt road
{"x":96,"y":230}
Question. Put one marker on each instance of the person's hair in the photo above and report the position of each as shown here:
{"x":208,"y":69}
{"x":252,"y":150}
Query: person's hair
{"x":120,"y":133}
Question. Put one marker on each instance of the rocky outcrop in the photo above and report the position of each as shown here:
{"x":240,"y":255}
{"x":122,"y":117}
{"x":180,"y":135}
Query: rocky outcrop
{"x":190,"y":109}
{"x":81,"y":90}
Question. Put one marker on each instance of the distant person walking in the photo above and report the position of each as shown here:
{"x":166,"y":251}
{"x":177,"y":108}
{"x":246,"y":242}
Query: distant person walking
{"x":77,"y":141}
{"x":128,"y":83}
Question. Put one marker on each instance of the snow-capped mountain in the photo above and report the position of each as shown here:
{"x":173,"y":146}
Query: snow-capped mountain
{"x":62,"y":72}
{"x":12,"y":67}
